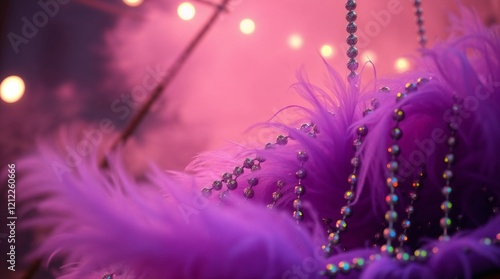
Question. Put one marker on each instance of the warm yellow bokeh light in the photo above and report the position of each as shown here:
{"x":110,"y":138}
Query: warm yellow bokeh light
{"x":12,"y":89}
{"x":186,"y":11}
{"x":295,"y":41}
{"x":247,"y":26}
{"x":369,"y":56}
{"x":132,"y":3}
{"x":327,"y":51}
{"x":402,"y":65}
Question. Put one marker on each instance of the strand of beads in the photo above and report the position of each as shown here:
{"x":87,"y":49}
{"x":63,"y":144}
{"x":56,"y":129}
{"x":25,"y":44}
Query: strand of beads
{"x":449,"y":159}
{"x":352,"y":39}
{"x":278,"y":194}
{"x":421,"y":256}
{"x":346,"y":211}
{"x":406,"y":223}
{"x":230,"y":180}
{"x":300,"y":189}
{"x":422,"y":40}
{"x":392,"y":181}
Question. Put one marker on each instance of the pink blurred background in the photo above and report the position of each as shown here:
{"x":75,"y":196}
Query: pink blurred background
{"x":90,"y":57}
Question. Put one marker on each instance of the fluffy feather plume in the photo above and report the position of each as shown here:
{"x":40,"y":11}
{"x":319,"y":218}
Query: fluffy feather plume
{"x":105,"y":222}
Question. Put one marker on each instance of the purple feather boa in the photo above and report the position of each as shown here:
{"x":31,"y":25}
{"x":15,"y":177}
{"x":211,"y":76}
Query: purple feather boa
{"x":107,"y":222}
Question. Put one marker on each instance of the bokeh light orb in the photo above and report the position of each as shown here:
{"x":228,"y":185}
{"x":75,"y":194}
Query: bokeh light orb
{"x":132,"y":3}
{"x":247,"y":26}
{"x":12,"y":89}
{"x":186,"y":11}
{"x":327,"y":51}
{"x":295,"y":41}
{"x":402,"y":65}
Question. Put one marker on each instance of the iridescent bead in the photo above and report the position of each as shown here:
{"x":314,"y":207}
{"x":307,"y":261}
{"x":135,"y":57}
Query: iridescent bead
{"x":350,"y":5}
{"x":248,"y":163}
{"x":356,"y":144}
{"x":334,"y":238}
{"x":352,"y":39}
{"x":268,"y":146}
{"x":331,"y":270}
{"x":453,"y":126}
{"x":305,"y":127}
{"x":388,"y":249}
{"x":402,"y":237}
{"x":402,"y":256}
{"x":108,"y":276}
{"x":352,"y":64}
{"x":226,"y":177}
{"x":238,"y":171}
{"x":207,"y":192}
{"x":392,"y":181}
{"x":248,"y":193}
{"x":255,"y":167}
{"x":349,"y":195}
{"x":446,"y":206}
{"x":351,"y":16}
{"x":413,"y":195}
{"x":341,"y":225}
{"x":375,"y":103}
{"x":391,"y":199}
{"x":260,"y":159}
{"x":486,"y":241}
{"x":327,"y":250}
{"x":416,"y":184}
{"x":391,"y":216}
{"x":217,"y":185}
{"x":282,"y":140}
{"x":420,"y":254}
{"x":352,"y":179}
{"x":384,"y":89}
{"x":302,"y":156}
{"x":410,"y":87}
{"x":447,"y":174}
{"x":344,"y":266}
{"x":346,"y":211}
{"x":406,"y":224}
{"x":298,"y":215}
{"x":409,"y":209}
{"x":400,"y":96}
{"x":280,"y":184}
{"x":367,"y":111}
{"x":422,"y":81}
{"x":446,"y":191}
{"x":232,"y":184}
{"x":301,"y":174}
{"x":396,"y":133}
{"x":277,"y":196}
{"x":358,"y":262}
{"x":351,"y":27}
{"x":352,"y":52}
{"x":299,"y":190}
{"x":394,"y":150}
{"x":297,"y":203}
{"x":355,"y":162}
{"x":449,"y":158}
{"x":451,"y":141}
{"x":393,"y":166}
{"x":445,"y":222}
{"x":253,"y":181}
{"x":398,"y":114}
{"x":362,"y":130}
